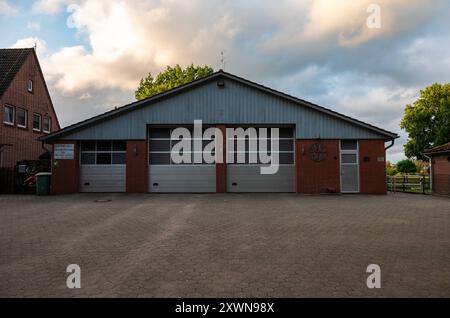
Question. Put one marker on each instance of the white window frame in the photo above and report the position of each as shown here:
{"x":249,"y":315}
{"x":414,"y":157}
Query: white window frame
{"x":26,"y":118}
{"x":13,"y":115}
{"x":95,"y":152}
{"x":40,"y":122}
{"x":49,"y":124}
{"x":171,"y":141}
{"x":292,"y":152}
{"x":30,"y":86}
{"x":349,"y":152}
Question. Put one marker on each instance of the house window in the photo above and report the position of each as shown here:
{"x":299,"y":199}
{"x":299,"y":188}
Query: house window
{"x":349,"y":144}
{"x":47,"y":124}
{"x":103,"y":152}
{"x":37,"y":122}
{"x":21,"y":118}
{"x":30,"y":86}
{"x":8,"y":115}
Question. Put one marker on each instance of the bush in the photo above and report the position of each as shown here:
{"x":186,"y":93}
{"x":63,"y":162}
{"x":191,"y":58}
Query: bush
{"x":406,"y":166}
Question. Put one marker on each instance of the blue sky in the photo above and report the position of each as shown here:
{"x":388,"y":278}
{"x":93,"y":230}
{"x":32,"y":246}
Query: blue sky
{"x":318,"y":50}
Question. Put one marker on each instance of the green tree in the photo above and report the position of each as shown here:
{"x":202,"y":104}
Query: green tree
{"x":391,"y":169}
{"x":427,"y":120}
{"x":406,"y":166}
{"x":170,"y":78}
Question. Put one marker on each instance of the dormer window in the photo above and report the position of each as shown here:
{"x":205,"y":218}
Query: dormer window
{"x":30,"y":86}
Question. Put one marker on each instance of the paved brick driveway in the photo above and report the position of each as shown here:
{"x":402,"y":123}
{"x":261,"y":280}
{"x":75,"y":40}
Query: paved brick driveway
{"x":224,"y":245}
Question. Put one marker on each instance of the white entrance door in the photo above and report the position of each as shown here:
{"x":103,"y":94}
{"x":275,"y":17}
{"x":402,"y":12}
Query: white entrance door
{"x":349,"y":166}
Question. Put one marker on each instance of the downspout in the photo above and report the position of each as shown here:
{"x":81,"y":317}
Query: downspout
{"x":49,"y":151}
{"x":385,"y":149}
{"x":431,"y":171}
{"x":43,"y":147}
{"x":391,"y":145}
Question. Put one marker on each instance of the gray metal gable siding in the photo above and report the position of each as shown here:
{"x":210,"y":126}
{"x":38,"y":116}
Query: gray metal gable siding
{"x":234,"y":104}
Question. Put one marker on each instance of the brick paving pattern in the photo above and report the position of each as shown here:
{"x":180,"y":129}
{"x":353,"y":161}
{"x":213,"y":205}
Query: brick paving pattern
{"x":230,"y":245}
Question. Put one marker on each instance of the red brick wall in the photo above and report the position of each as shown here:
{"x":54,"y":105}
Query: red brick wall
{"x":66,"y":173}
{"x":137,"y":166}
{"x":315,"y":177}
{"x":372,"y":173}
{"x":23,"y":140}
{"x":441,"y":174}
{"x":221,"y":168}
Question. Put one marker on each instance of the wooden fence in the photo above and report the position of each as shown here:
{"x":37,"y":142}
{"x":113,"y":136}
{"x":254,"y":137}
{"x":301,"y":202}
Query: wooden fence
{"x":409,"y":184}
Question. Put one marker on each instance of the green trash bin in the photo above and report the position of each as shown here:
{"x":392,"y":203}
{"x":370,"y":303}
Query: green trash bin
{"x":43,"y":180}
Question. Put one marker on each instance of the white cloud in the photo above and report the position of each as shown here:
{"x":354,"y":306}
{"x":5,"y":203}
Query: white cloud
{"x":345,"y":22}
{"x":85,"y":96}
{"x":7,"y":9}
{"x":41,"y":45}
{"x":50,"y":6}
{"x":128,"y":39}
{"x":315,"y":49}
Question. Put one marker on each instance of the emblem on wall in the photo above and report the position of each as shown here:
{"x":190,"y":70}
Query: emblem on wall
{"x":317,"y":152}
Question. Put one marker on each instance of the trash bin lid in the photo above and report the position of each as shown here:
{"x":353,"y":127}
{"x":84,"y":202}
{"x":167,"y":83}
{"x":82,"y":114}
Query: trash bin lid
{"x":43,"y":174}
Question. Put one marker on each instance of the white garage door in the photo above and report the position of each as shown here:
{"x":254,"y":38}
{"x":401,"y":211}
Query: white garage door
{"x":246,"y":176}
{"x":103,"y":167}
{"x":165,"y":176}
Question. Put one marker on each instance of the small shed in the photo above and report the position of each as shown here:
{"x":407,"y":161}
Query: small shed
{"x":440,"y":168}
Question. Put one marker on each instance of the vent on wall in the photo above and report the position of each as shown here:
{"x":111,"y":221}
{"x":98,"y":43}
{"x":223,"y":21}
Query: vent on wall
{"x":220,"y":84}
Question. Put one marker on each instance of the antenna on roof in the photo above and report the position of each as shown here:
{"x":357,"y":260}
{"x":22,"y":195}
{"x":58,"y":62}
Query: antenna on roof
{"x":35,"y":46}
{"x":222,"y":61}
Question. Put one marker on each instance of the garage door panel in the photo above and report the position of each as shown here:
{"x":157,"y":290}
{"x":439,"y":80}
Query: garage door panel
{"x":247,"y":178}
{"x":103,"y":178}
{"x":182,"y":178}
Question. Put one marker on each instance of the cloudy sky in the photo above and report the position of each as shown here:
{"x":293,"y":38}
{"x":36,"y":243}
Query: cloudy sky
{"x":94,"y":52}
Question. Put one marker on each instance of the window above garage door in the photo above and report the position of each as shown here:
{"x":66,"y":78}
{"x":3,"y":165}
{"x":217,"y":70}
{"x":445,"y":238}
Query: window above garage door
{"x":286,"y":147}
{"x":161,"y":145}
{"x":103,"y":152}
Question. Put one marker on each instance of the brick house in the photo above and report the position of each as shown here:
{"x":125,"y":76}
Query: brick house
{"x":440,"y":168}
{"x":26,"y":107}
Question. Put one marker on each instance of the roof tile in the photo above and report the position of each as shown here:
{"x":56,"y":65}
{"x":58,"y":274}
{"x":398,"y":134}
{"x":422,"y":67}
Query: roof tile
{"x":11,"y":60}
{"x":439,"y":149}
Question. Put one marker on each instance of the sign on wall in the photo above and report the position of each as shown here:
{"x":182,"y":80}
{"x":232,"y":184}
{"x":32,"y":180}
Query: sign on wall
{"x":64,"y":151}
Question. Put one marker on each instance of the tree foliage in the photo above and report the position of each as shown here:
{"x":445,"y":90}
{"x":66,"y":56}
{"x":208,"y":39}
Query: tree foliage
{"x":406,"y":166}
{"x":391,"y":169}
{"x":170,"y":78}
{"x":427,"y":120}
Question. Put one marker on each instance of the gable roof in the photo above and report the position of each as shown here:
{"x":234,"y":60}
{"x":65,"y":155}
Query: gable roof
{"x":214,"y":76}
{"x":11,"y":60}
{"x":445,"y":148}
